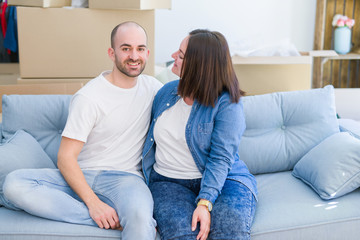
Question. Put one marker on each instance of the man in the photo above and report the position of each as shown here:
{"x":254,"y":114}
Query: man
{"x":99,"y":181}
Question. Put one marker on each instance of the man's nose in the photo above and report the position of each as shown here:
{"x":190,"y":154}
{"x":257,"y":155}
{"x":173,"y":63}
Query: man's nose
{"x":134,"y":55}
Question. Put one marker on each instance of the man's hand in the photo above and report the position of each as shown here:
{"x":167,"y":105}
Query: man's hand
{"x":202,"y":215}
{"x":104,"y":215}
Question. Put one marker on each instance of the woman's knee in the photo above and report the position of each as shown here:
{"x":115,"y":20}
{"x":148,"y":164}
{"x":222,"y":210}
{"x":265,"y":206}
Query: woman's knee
{"x":232,"y":216}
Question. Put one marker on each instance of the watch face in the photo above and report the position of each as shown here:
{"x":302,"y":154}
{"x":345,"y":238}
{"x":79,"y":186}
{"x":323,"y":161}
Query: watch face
{"x":210,"y":206}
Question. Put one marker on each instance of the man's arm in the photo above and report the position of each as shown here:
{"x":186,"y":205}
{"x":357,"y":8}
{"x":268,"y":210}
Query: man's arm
{"x":104,"y":215}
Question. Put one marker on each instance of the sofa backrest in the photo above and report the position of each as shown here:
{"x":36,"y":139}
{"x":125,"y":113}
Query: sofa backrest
{"x":282,"y":127}
{"x":42,"y":116}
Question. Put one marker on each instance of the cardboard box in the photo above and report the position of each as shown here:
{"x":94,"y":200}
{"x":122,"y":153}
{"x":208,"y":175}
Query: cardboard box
{"x":35,"y":89}
{"x":73,"y":42}
{"x":40,"y":3}
{"x":52,"y":80}
{"x":130,"y":4}
{"x":261,"y":75}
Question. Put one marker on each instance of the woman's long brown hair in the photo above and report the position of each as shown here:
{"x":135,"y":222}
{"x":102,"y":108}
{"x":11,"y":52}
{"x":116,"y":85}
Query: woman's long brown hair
{"x":207,"y":69}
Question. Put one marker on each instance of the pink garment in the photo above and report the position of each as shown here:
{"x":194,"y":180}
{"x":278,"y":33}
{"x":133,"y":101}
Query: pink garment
{"x":3,"y":17}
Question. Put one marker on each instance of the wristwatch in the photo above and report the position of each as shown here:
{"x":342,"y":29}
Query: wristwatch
{"x":206,"y":203}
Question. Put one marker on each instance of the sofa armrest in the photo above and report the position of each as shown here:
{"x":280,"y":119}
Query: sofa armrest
{"x":351,"y":126}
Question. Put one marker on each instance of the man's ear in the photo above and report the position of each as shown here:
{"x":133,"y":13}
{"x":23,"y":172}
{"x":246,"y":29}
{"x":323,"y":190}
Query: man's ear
{"x":111,"y":53}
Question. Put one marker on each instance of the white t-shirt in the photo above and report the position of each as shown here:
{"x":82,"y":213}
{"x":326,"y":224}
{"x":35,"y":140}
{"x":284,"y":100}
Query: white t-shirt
{"x":112,"y":122}
{"x":173,"y":157}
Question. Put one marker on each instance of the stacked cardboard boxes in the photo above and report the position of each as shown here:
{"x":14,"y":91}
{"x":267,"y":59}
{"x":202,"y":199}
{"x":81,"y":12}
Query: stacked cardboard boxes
{"x":40,"y":3}
{"x":130,"y":4}
{"x":70,"y":44}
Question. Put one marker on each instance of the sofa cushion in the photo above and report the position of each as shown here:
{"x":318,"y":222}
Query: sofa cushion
{"x":21,"y":225}
{"x":289,"y":209}
{"x":43,"y":116}
{"x":282,"y":127}
{"x":351,"y":126}
{"x":21,"y":151}
{"x":332,"y":168}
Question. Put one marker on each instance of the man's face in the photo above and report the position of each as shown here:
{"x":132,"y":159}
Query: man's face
{"x":130,"y":51}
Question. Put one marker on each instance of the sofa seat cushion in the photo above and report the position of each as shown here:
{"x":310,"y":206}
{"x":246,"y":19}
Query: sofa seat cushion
{"x":20,"y":225}
{"x":16,"y":225}
{"x":282,"y":127}
{"x":43,"y":116}
{"x":289,"y":209}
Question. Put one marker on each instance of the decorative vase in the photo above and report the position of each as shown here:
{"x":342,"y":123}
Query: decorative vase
{"x":342,"y":40}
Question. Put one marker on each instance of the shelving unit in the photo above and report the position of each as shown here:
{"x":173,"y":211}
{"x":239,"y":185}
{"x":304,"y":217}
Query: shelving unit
{"x":342,"y":71}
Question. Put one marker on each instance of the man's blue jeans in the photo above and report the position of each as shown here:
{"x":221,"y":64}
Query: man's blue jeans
{"x":174,"y":204}
{"x":45,"y":193}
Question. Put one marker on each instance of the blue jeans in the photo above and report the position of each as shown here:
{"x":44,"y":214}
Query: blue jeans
{"x":174,"y":204}
{"x":45,"y":193}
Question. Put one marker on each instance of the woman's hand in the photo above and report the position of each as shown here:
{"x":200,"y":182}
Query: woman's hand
{"x":202,"y":215}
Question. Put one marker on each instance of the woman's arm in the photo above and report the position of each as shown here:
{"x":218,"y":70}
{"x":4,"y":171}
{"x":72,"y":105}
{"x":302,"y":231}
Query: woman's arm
{"x":229,"y":125}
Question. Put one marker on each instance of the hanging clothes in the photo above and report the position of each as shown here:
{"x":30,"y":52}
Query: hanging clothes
{"x":4,"y":55}
{"x":3,"y":17}
{"x":8,"y":32}
{"x":11,"y":38}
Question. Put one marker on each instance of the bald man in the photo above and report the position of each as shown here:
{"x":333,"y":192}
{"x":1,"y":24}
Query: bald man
{"x":99,"y":181}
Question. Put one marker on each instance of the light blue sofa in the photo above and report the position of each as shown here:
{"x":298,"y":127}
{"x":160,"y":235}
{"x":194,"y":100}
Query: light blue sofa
{"x":305,"y":163}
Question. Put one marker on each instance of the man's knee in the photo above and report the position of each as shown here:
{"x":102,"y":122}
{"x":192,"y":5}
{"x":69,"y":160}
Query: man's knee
{"x":139,"y":223}
{"x":12,"y":184}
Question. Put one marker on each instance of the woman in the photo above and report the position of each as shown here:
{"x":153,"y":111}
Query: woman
{"x":200,"y":187}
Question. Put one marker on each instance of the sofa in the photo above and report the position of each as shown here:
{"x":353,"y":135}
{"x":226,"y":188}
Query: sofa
{"x":306,"y":162}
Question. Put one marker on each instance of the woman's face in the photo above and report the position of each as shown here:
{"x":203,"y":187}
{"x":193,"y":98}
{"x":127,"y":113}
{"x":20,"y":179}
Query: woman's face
{"x":178,"y":56}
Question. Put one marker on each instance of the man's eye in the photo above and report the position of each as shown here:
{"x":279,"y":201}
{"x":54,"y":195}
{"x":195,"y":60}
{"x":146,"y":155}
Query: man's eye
{"x":141,"y":49}
{"x":126,"y":49}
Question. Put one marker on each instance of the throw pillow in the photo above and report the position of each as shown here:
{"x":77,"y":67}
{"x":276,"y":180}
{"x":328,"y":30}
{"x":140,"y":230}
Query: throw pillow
{"x":332,"y":168}
{"x":21,"y":151}
{"x":282,"y":127}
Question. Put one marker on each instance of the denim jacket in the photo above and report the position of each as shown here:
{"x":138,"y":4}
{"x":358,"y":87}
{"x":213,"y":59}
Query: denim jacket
{"x":213,"y":136}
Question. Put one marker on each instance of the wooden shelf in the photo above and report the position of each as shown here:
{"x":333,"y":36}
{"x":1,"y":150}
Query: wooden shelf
{"x":272,"y":60}
{"x":349,"y":56}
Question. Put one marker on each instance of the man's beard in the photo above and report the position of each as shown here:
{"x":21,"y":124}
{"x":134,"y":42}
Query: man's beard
{"x":122,"y":68}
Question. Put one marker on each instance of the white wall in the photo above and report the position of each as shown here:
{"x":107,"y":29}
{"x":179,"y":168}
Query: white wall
{"x":238,"y":20}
